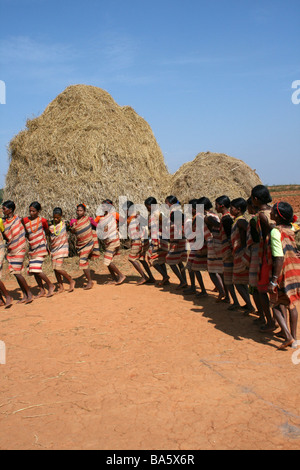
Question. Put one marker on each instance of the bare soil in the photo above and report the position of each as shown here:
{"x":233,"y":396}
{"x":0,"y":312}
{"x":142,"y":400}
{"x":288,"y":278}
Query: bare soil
{"x":139,"y":367}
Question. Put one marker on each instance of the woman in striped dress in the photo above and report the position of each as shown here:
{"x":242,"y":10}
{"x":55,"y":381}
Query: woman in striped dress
{"x":177,"y":254}
{"x":193,"y":228}
{"x":136,"y":242}
{"x":158,"y":247}
{"x":35,"y":228}
{"x":284,"y":286}
{"x":107,"y":231}
{"x":252,"y":257}
{"x":14,"y":235}
{"x":59,"y":249}
{"x":261,"y":199}
{"x":87,"y":244}
{"x":3,"y":290}
{"x":214,"y":259}
{"x":226,"y":222}
{"x":238,"y":240}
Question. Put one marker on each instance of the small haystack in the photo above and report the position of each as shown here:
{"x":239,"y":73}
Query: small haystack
{"x":84,"y":148}
{"x":213,"y":175}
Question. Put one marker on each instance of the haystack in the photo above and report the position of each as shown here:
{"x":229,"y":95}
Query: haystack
{"x":84,"y":148}
{"x":213,"y":175}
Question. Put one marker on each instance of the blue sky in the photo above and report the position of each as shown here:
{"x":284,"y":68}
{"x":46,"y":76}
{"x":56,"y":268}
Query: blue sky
{"x":206,"y":75}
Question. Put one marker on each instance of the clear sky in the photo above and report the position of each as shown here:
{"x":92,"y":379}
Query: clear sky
{"x":205,"y":74}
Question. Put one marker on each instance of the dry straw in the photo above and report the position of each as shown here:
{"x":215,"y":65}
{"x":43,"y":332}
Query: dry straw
{"x":212,"y":175}
{"x":84,"y":148}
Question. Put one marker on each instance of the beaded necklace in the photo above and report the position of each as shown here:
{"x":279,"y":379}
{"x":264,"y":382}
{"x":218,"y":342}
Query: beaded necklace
{"x":10,"y":220}
{"x":54,"y":229}
{"x":33,"y":230}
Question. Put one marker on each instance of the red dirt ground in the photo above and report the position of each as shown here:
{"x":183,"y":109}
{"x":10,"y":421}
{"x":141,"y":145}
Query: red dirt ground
{"x":292,"y":197}
{"x":139,"y":367}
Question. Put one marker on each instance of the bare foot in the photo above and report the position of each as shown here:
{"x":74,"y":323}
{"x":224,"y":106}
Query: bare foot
{"x":164,"y":282}
{"x":202,"y":294}
{"x":29,"y":298}
{"x":181,"y":286}
{"x":89,"y":286}
{"x":60,"y":289}
{"x":42,"y":293}
{"x":72,"y":286}
{"x":50,"y":291}
{"x":142,"y":281}
{"x":120,"y":280}
{"x":286,"y":344}
{"x":8,"y":302}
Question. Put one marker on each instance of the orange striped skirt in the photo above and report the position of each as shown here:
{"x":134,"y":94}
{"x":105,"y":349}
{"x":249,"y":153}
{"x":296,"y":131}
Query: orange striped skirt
{"x":157,"y":252}
{"x":135,"y":250}
{"x":35,"y":265}
{"x":177,"y":253}
{"x":112,"y":249}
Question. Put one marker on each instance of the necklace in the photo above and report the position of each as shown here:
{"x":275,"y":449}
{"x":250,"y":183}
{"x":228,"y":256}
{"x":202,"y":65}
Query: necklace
{"x":11,"y":220}
{"x":54,"y":229}
{"x":33,"y":230}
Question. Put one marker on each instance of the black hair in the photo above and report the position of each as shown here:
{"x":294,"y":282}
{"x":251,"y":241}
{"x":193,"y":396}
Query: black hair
{"x":107,"y":201}
{"x":261,"y":193}
{"x":285,"y":211}
{"x":36,"y":205}
{"x":172,"y":200}
{"x":206,"y":203}
{"x":193,"y":203}
{"x":150,"y":200}
{"x":249,"y":202}
{"x":9,"y":204}
{"x":83,"y":206}
{"x":223,"y":201}
{"x":173,"y":213}
{"x":239,"y":203}
{"x":57,"y":210}
{"x":127,"y":205}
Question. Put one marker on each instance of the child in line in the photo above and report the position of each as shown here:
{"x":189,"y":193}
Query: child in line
{"x":87,"y":243}
{"x":14,"y":233}
{"x":35,"y":228}
{"x":59,"y":249}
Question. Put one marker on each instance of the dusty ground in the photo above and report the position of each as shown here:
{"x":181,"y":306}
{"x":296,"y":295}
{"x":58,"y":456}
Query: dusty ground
{"x":140,"y":367}
{"x":292,"y":196}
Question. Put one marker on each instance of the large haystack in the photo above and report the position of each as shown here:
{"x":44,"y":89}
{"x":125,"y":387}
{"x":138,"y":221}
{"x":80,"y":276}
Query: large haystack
{"x":213,"y":175}
{"x":84,"y":148}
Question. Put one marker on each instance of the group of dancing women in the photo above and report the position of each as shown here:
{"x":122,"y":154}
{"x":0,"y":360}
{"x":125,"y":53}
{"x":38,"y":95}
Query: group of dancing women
{"x":248,"y":249}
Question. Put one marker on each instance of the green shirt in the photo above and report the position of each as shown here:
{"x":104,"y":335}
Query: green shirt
{"x":276,"y":245}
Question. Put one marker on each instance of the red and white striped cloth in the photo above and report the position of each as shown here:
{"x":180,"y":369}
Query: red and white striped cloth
{"x":38,"y":249}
